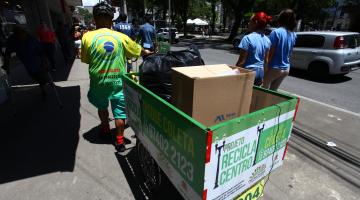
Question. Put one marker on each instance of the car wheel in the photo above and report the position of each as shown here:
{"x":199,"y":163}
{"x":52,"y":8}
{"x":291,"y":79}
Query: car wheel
{"x":319,"y":71}
{"x":150,"y":170}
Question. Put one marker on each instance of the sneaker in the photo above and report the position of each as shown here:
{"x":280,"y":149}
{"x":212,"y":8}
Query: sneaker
{"x":120,"y":147}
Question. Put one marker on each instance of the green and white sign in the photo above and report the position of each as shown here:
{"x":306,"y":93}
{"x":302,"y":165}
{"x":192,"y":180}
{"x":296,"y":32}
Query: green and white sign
{"x":242,"y":159}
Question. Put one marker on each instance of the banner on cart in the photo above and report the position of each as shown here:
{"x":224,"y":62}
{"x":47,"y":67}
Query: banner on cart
{"x":242,"y":159}
{"x":173,"y":140}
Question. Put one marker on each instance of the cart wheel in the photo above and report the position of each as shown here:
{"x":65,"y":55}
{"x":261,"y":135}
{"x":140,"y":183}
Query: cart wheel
{"x":150,"y":169}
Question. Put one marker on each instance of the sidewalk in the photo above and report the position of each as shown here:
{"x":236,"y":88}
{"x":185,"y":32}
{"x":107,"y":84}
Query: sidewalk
{"x":48,"y":153}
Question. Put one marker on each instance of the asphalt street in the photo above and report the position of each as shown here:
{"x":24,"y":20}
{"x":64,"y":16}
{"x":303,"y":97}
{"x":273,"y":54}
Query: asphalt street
{"x":339,"y":91}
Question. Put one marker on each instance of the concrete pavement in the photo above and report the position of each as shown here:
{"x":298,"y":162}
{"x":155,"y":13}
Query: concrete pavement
{"x":48,"y":153}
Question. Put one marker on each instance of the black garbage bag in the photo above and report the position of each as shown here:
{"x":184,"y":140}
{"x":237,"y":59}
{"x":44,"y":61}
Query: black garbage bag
{"x":155,"y":71}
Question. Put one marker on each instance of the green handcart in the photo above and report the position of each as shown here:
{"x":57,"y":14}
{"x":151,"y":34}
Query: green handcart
{"x":224,"y":161}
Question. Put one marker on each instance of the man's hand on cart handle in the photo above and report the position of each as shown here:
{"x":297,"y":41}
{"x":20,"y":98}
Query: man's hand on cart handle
{"x":145,"y":52}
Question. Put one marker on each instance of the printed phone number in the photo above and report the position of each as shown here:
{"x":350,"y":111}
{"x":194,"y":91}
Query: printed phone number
{"x":180,"y":162}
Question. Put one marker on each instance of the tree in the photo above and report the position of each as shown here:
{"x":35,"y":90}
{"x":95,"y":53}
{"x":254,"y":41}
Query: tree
{"x":308,"y":11}
{"x":352,"y":7}
{"x":238,"y":9}
{"x":213,"y":14}
{"x":182,"y":8}
{"x":88,"y":17}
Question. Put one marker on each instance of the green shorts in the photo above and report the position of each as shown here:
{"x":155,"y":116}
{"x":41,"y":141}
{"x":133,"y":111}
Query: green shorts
{"x":100,"y":98}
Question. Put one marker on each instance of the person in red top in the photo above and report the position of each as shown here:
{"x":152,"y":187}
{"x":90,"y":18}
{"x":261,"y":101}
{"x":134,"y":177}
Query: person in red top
{"x":47,"y":39}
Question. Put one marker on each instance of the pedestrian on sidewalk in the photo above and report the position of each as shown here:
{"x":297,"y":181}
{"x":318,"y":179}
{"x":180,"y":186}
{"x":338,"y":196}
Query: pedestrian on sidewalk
{"x":47,"y":39}
{"x":77,"y":41}
{"x":30,"y":52}
{"x":126,"y":28}
{"x":105,"y":50}
{"x":282,"y":43}
{"x":147,"y":34}
{"x":254,"y":47}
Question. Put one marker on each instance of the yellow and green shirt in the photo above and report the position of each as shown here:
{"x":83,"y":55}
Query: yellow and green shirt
{"x":106,"y":51}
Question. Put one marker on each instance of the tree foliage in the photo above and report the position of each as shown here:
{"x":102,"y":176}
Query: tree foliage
{"x":88,"y":18}
{"x":352,"y":7}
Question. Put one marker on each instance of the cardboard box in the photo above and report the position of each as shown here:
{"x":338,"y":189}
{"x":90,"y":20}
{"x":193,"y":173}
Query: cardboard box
{"x":212,"y":93}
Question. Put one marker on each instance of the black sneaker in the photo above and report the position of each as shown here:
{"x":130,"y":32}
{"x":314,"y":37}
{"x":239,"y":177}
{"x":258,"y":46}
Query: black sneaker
{"x":120,"y":147}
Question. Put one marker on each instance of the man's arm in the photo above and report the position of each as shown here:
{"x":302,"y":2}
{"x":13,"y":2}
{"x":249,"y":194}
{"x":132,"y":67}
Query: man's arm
{"x":132,"y":49}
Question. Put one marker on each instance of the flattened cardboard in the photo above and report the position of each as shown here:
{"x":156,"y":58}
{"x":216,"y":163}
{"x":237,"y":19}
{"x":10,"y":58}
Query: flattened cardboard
{"x":212,"y":93}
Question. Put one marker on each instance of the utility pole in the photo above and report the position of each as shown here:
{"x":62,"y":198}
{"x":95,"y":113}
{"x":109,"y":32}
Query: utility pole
{"x":170,"y":22}
{"x":124,"y":7}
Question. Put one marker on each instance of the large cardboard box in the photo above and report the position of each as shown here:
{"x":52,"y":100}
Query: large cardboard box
{"x":212,"y":93}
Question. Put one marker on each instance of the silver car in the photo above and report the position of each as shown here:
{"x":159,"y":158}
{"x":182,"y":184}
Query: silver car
{"x":163,"y":33}
{"x":324,"y":53}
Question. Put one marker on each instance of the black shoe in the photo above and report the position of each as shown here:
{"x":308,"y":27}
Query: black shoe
{"x":120,"y":147}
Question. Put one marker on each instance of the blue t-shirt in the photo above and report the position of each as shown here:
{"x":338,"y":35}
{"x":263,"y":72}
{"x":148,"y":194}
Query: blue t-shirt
{"x":256,"y":45}
{"x":28,"y":51}
{"x":147,"y":33}
{"x":125,"y":28}
{"x":283,"y":41}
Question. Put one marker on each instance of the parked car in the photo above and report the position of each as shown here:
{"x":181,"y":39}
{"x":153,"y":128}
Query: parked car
{"x":163,"y":33}
{"x":324,"y":53}
{"x":238,"y":38}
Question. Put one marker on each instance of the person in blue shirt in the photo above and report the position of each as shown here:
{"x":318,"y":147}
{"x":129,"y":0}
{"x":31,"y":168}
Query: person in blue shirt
{"x":147,"y":34}
{"x":124,"y":27}
{"x":254,"y":47}
{"x":282,"y":43}
{"x":30,"y":52}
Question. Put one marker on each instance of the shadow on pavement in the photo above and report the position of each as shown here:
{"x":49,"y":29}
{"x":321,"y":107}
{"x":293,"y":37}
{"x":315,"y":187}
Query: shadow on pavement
{"x":131,"y":168}
{"x":93,"y":136}
{"x":40,"y":138}
{"x":332,"y":79}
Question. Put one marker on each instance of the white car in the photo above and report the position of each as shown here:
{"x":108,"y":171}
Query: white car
{"x":326,"y":52}
{"x":163,"y":33}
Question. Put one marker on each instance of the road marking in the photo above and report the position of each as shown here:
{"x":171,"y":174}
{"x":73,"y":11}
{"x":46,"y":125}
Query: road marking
{"x":324,"y":104}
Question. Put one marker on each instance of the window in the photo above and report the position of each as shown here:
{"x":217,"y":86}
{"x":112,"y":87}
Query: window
{"x":352,"y":41}
{"x":309,"y":41}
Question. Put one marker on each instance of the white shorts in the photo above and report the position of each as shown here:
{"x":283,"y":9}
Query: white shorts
{"x":78,"y":44}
